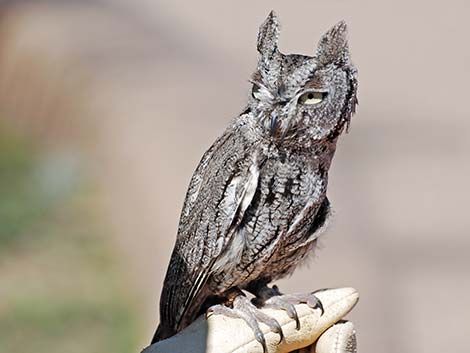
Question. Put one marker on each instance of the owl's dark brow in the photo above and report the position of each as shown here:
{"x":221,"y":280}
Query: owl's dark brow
{"x":311,"y":78}
{"x":314,"y":83}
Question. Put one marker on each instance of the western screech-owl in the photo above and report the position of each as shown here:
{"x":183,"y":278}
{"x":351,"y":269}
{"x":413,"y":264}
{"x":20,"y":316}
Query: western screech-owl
{"x":257,"y":201}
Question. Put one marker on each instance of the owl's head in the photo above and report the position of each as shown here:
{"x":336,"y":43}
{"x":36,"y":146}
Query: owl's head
{"x":303,"y":99}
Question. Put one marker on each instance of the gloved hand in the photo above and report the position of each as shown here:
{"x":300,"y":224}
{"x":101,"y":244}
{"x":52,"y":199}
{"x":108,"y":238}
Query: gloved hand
{"x":326,"y":333}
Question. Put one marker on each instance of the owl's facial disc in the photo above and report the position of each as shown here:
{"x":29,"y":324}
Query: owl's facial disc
{"x":303,"y":98}
{"x":301,"y":106}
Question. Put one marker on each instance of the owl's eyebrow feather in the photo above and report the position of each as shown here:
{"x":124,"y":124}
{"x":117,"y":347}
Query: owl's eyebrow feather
{"x":304,"y":73}
{"x":262,"y":86}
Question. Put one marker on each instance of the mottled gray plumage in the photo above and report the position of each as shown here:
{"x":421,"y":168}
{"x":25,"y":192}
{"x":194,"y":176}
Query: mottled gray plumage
{"x":257,"y":200}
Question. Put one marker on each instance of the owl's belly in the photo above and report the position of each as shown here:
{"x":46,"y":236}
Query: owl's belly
{"x":271,"y":235}
{"x":270,"y":264}
{"x":274,"y":257}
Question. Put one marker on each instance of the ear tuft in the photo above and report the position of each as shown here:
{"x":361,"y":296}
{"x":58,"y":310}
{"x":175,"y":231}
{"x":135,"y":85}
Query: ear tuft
{"x":268,"y":35}
{"x":333,"y":46}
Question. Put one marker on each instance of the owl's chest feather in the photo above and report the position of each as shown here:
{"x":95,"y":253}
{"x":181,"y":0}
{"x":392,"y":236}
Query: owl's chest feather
{"x":287,"y":196}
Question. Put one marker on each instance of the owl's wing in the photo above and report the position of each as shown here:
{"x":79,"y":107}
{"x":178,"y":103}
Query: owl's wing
{"x":221,"y":190}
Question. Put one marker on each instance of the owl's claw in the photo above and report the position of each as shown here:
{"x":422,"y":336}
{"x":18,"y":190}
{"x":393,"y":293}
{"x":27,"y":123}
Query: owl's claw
{"x":279,"y":303}
{"x":287,"y":302}
{"x":273,"y":298}
{"x":244,"y":309}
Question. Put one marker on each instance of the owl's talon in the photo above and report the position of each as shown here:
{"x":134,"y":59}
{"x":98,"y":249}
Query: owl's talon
{"x":244,"y":309}
{"x":287,"y":302}
{"x":292,"y":313}
{"x":260,"y":338}
{"x":312,"y":301}
{"x":272,"y":323}
{"x":318,"y":304}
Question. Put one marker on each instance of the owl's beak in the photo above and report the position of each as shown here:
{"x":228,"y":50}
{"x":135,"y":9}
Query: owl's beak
{"x":274,"y":123}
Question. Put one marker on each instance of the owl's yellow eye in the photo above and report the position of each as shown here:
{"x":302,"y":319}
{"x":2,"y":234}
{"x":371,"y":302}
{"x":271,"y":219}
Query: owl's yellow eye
{"x":311,"y":98}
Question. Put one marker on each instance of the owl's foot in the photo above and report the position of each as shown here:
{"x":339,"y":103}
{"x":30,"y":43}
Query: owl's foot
{"x":273,"y":298}
{"x":244,"y":309}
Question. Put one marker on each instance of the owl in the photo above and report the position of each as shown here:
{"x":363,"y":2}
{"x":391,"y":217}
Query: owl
{"x":257,"y":203}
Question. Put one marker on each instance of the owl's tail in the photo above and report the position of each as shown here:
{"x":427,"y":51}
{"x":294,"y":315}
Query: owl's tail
{"x":162,"y":333}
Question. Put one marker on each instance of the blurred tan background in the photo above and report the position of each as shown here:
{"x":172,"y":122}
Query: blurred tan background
{"x":107,"y":106}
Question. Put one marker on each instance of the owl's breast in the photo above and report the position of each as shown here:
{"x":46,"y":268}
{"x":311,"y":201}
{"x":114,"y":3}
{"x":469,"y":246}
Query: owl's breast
{"x":286,"y":196}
